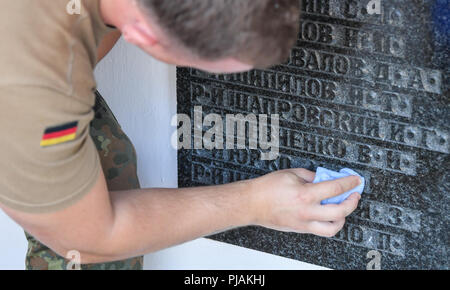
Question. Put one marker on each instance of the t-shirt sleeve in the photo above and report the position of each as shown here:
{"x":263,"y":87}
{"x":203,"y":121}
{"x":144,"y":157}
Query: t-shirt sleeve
{"x":48,"y":160}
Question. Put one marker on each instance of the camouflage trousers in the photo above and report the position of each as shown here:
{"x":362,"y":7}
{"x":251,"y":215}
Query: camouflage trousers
{"x":118,"y":159}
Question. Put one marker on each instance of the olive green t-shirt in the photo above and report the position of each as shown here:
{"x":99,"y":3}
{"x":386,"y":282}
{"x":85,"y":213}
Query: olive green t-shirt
{"x":47,"y":57}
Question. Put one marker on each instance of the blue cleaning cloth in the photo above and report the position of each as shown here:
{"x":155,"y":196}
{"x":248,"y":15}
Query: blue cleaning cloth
{"x":323,"y":174}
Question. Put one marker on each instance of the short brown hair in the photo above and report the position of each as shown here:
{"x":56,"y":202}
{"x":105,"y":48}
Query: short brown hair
{"x":256,"y":32}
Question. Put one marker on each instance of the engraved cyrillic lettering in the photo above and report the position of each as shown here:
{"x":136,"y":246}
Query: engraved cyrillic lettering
{"x":372,"y":239}
{"x":315,"y":116}
{"x":389,"y":215}
{"x":316,"y":6}
{"x":339,"y":93}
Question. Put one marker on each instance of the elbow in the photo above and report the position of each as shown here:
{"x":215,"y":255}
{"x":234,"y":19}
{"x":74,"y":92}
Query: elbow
{"x":84,"y":251}
{"x":87,"y":255}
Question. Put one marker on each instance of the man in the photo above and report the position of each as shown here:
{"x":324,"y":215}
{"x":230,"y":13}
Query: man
{"x":68,"y":172}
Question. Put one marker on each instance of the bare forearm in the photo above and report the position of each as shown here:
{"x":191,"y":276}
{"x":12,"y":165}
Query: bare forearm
{"x":153,"y":219}
{"x":113,"y":226}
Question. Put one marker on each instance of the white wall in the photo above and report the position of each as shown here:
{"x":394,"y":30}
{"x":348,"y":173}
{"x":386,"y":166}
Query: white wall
{"x":141,"y":92}
{"x":13,"y":244}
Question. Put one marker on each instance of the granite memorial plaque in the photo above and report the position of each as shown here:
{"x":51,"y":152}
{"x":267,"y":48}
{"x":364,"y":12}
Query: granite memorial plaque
{"x":365,"y":87}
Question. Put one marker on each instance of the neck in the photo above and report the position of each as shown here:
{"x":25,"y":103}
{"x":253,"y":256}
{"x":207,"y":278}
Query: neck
{"x":113,"y":12}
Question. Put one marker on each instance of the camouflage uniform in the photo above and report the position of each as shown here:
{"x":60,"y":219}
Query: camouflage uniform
{"x":118,"y":160}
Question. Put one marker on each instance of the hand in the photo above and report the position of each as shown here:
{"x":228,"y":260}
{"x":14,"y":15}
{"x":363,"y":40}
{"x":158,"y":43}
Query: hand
{"x":287,"y":200}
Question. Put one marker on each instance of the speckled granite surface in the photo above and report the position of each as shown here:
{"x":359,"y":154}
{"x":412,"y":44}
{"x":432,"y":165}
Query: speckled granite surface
{"x":369,"y":92}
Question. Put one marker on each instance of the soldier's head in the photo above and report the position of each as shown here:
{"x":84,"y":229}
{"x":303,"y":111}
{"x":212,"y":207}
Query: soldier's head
{"x":213,"y":35}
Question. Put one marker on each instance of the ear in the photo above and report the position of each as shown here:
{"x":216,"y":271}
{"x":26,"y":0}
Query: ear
{"x":139,"y":34}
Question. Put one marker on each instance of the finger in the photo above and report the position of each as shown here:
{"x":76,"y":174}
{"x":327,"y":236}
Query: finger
{"x":334,"y":212}
{"x":326,"y":229}
{"x":328,"y":189}
{"x":306,"y":174}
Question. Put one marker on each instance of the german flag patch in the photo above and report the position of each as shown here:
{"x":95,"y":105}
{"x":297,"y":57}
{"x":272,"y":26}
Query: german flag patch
{"x":59,"y":134}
